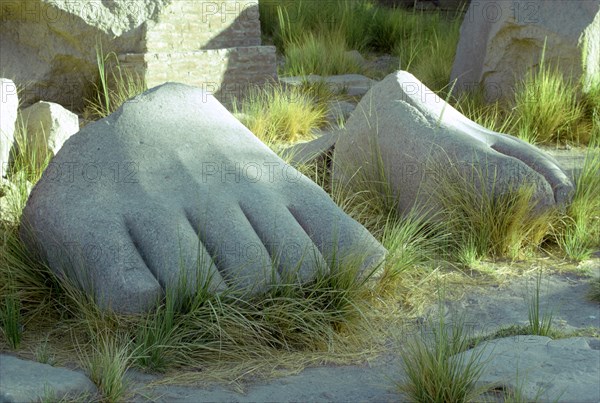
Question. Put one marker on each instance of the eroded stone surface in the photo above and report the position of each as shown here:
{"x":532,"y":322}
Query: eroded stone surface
{"x":172,"y":190}
{"x":501,"y":40}
{"x":50,"y":47}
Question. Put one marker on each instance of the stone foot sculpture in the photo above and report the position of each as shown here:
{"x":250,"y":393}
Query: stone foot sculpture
{"x":414,"y":130}
{"x":170,"y":191}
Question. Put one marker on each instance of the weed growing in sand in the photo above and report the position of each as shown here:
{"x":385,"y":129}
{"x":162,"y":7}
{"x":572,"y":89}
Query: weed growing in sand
{"x":539,"y":324}
{"x":11,"y":320}
{"x":156,"y":338}
{"x":433,"y":371}
{"x":43,"y":353}
{"x":410,"y":242}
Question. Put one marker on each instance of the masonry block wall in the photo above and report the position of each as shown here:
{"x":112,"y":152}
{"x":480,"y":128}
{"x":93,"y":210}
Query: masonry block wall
{"x":214,"y":45}
{"x":199,"y":24}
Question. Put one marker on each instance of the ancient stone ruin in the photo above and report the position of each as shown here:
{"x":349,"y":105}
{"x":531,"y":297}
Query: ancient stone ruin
{"x":501,"y":41}
{"x":211,"y":45}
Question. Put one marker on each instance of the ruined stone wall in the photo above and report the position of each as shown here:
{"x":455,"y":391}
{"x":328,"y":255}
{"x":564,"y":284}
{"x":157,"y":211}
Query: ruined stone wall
{"x":226,"y":73}
{"x":197,"y":24}
{"x":213,"y":45}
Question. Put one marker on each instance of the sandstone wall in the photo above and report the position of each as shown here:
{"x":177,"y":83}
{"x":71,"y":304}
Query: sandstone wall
{"x":223,"y":72}
{"x":195,"y":24}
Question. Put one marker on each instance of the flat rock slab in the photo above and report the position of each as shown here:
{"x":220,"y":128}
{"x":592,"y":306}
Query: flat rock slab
{"x":28,"y":381}
{"x":564,"y":370}
{"x":361,"y":383}
{"x":350,"y":84}
{"x":304,"y":153}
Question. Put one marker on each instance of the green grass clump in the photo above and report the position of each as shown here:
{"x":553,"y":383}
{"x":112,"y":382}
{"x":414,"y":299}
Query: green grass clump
{"x":278,"y":114}
{"x":427,"y":49}
{"x":548,"y":107}
{"x":578,"y":233}
{"x":315,"y":36}
{"x":106,"y":365}
{"x":486,"y":221}
{"x":115,"y":86}
{"x":29,"y":160}
{"x":286,"y":20}
{"x":305,"y":55}
{"x":540,"y":324}
{"x":491,"y":115}
{"x":432,"y":371}
{"x":11,"y":320}
{"x":412,"y":241}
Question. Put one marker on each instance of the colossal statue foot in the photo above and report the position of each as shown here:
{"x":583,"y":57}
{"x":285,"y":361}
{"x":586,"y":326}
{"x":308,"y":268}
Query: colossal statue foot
{"x":170,"y":191}
{"x":403,"y":126}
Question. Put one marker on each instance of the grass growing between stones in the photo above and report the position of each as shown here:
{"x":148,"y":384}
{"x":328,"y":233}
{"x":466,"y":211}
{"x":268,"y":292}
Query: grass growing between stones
{"x":337,"y":318}
{"x":28,"y":161}
{"x":540,"y":324}
{"x":106,"y":365}
{"x":433,"y":373}
{"x":279,"y":115}
{"x":548,"y":108}
{"x":115,"y":86}
{"x":314,"y":37}
{"x":206,"y":335}
{"x":578,"y":233}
